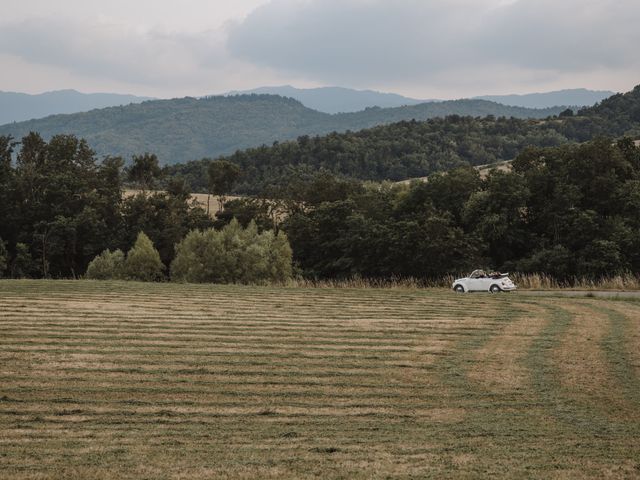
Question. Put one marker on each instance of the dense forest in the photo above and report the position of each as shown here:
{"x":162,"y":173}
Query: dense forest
{"x":185,"y":129}
{"x":60,"y":207}
{"x":568,"y":211}
{"x":412,"y":149}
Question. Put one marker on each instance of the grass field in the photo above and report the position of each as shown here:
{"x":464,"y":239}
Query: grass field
{"x":128,"y":380}
{"x":203,"y":200}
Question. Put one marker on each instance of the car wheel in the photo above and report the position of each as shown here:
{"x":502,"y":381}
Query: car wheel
{"x":459,"y":288}
{"x":495,"y":289}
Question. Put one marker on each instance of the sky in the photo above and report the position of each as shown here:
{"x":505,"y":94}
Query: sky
{"x":419,"y":48}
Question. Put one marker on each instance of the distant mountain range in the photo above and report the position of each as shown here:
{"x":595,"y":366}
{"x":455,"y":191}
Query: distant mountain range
{"x":17,"y":107}
{"x":338,"y":99}
{"x":578,"y":97}
{"x":185,"y":129}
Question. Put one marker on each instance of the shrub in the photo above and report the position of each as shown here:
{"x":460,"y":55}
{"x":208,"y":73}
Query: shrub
{"x":107,"y":266}
{"x":232,"y":255}
{"x":280,"y":255}
{"x":200,"y":258}
{"x":143,"y":261}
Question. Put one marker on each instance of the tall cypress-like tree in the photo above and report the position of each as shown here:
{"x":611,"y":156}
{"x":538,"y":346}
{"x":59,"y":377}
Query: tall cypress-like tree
{"x":143,"y":261}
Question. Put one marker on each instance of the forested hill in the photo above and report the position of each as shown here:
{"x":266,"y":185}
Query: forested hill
{"x":619,"y":114}
{"x":180,"y":130}
{"x":416,"y":149}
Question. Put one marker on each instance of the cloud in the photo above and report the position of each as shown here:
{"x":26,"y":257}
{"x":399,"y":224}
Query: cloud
{"x":110,"y":50}
{"x":429,"y":48}
{"x":571,"y":35}
{"x":428,"y":41}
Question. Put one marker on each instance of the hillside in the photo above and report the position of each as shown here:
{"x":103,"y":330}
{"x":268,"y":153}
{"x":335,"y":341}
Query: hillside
{"x":18,"y":107}
{"x":406,"y":150}
{"x":393,"y":152}
{"x":619,"y":114}
{"x":184,"y":129}
{"x":578,"y":97}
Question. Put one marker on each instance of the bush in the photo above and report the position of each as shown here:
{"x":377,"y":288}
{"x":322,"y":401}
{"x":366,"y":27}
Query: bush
{"x":279,"y":258}
{"x":107,"y":266}
{"x":232,"y":255}
{"x":143,"y":261}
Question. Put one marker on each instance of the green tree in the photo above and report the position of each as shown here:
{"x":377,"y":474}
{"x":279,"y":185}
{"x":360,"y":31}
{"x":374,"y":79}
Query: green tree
{"x":165,"y":217}
{"x":601,"y":259}
{"x":246,"y":210}
{"x":222,"y":176}
{"x":280,"y":255}
{"x":144,"y":171}
{"x":200,"y":258}
{"x":107,"y":266}
{"x":65,"y":205}
{"x":4,"y":257}
{"x":232,"y":255}
{"x":9,"y":198}
{"x":23,"y":265}
{"x":143,"y":261}
{"x":558,"y":262}
{"x":496,"y":217}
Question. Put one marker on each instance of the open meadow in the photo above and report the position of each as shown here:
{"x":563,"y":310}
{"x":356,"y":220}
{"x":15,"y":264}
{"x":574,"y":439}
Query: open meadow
{"x":102,"y":380}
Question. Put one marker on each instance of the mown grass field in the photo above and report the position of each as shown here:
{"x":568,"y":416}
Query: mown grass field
{"x":128,"y":380}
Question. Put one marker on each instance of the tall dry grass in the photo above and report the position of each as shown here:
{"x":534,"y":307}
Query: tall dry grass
{"x":373,"y":283}
{"x":545,"y":282}
{"x":533,"y":281}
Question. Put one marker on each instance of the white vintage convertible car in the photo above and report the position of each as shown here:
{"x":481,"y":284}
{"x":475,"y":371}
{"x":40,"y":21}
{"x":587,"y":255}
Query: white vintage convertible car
{"x":479,"y":281}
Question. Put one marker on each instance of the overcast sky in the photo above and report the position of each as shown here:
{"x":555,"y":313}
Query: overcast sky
{"x":420,"y":48}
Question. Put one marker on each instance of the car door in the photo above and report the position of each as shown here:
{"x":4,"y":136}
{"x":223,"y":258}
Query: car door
{"x":485,"y":284}
{"x":475,"y":284}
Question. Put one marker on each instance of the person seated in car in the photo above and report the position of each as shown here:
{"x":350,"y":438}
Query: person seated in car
{"x":478,"y":274}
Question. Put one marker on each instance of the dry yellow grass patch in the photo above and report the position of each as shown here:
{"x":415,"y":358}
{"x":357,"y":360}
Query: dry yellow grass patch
{"x":583,"y":367}
{"x":210,"y":202}
{"x":499,"y":364}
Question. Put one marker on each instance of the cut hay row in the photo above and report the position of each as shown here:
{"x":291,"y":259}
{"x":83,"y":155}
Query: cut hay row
{"x":127,"y":380}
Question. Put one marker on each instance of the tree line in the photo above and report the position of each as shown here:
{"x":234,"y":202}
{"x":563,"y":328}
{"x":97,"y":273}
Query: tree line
{"x":568,"y":211}
{"x":61,"y":208}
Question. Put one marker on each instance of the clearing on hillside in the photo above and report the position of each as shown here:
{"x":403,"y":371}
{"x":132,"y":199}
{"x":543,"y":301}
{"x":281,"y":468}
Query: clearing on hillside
{"x":128,"y":380}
